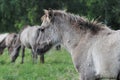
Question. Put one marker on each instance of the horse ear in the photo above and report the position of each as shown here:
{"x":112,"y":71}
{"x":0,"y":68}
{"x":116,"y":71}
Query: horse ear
{"x":50,"y":13}
{"x":45,"y":11}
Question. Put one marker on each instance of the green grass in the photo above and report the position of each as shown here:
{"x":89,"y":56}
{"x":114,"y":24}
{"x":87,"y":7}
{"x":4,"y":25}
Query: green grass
{"x":58,"y":66}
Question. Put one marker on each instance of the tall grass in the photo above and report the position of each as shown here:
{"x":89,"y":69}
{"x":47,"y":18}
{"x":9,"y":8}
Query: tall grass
{"x":58,"y":66}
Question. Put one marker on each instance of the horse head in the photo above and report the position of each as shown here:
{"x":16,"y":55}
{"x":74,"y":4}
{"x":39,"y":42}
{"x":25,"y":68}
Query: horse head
{"x":49,"y":33}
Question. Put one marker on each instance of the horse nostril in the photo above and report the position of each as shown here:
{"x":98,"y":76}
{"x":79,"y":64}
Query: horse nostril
{"x":42,"y":29}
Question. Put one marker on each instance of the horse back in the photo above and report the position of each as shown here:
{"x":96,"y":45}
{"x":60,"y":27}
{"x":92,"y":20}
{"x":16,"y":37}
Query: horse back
{"x":27,"y":36}
{"x":3,"y":36}
{"x":10,"y":38}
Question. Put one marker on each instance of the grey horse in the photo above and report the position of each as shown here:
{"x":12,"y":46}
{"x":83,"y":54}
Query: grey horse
{"x":7,"y":39}
{"x":94,"y":47}
{"x":27,"y":39}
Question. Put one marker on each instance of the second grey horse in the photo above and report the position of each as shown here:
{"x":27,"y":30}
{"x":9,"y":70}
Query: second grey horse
{"x":94,"y":47}
{"x":26,"y":38}
{"x":7,"y":42}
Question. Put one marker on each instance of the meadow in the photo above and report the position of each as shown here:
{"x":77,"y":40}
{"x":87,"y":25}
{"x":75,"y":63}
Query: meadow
{"x":58,"y":66}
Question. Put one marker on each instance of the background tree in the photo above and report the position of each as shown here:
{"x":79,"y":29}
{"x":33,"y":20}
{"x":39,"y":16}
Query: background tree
{"x":16,"y":13}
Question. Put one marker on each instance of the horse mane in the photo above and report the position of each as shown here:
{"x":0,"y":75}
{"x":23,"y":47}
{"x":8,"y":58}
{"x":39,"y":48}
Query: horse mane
{"x":84,"y":24}
{"x":80,"y":22}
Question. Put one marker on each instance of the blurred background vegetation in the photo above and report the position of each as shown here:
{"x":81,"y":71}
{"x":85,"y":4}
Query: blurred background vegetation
{"x":16,"y":13}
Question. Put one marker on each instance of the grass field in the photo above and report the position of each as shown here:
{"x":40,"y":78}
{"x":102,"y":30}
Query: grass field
{"x":58,"y":66}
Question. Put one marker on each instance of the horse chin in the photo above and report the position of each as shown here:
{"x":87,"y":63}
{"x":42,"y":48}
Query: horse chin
{"x":42,"y":50}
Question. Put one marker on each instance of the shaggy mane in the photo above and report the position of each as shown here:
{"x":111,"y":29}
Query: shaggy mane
{"x":77,"y":21}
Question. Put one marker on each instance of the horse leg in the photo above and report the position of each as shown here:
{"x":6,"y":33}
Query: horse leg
{"x":86,"y":78}
{"x":23,"y":54}
{"x":87,"y":73}
{"x":42,"y":58}
{"x":34,"y":56}
{"x":118,"y":76}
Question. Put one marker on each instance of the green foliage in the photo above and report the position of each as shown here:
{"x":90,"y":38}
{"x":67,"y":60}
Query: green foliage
{"x":58,"y":66}
{"x":107,"y":11}
{"x":16,"y":13}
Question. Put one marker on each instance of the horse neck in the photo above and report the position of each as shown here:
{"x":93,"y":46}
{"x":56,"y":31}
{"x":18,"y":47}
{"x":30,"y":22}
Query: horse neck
{"x":70,"y":37}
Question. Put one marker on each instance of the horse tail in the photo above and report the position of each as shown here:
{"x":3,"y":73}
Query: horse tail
{"x":17,"y":40}
{"x":23,"y":28}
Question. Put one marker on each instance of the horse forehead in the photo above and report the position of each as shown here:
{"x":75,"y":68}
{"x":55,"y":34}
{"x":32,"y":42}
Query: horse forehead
{"x":45,"y":23}
{"x":46,"y":19}
{"x":43,"y":17}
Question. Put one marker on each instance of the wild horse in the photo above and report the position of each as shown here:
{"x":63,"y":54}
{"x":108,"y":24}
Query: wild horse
{"x":6,"y":41}
{"x":26,"y":38}
{"x":94,"y":47}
